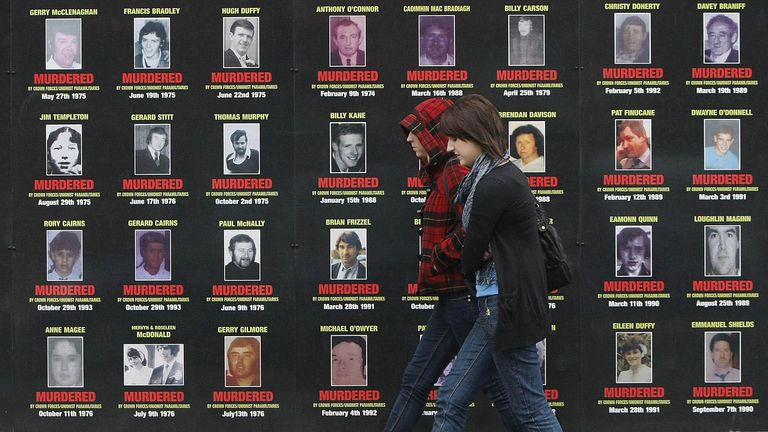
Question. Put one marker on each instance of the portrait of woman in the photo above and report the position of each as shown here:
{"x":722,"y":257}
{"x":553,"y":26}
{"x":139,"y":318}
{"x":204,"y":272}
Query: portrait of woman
{"x":634,"y":358}
{"x":65,"y":361}
{"x":64,"y":151}
{"x":136,"y":370}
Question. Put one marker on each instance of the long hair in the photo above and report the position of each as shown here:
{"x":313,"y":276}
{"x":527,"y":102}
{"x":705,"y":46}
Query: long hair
{"x":474,"y":118}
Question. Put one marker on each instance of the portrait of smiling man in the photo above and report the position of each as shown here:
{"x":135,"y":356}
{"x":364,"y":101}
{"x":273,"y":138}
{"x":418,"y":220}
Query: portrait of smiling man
{"x":242,"y":255}
{"x":347,"y":147}
{"x":241,"y":42}
{"x":348,"y":252}
{"x":63,"y":44}
{"x":721,"y":38}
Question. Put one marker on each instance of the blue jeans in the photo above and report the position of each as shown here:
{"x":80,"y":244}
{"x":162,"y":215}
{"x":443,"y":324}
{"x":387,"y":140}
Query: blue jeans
{"x":449,"y":324}
{"x":478,"y":359}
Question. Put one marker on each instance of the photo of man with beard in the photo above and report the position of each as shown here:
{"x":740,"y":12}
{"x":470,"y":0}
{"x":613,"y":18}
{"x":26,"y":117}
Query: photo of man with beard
{"x":241,"y":144}
{"x":242,"y":255}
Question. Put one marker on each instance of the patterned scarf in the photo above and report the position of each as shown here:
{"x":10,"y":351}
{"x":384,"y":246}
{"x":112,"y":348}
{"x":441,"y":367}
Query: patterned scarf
{"x":466,"y":194}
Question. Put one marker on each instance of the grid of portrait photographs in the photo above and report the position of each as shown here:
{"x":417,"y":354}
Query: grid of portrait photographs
{"x":65,"y":255}
{"x":63,"y":44}
{"x":632,"y":41}
{"x":346,"y":41}
{"x":722,"y":149}
{"x":634,"y":358}
{"x":64,"y":150}
{"x":722,"y":357}
{"x":347,"y":147}
{"x":437,"y":36}
{"x":722,"y":41}
{"x":152,"y":149}
{"x":240,"y":36}
{"x":349,"y":366}
{"x":527,"y":145}
{"x":152,"y":43}
{"x":152,"y":255}
{"x":526,"y":41}
{"x":633,"y":144}
{"x":242,"y":255}
{"x":65,"y":361}
{"x":349,"y":254}
{"x":242,"y":148}
{"x":153,"y":364}
{"x":242,"y":360}
{"x":633,"y":251}
{"x":722,"y":250}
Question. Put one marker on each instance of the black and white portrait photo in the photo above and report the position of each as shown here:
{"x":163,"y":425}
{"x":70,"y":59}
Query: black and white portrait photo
{"x":241,"y":42}
{"x":152,"y":149}
{"x":152,"y":43}
{"x":242,"y":255}
{"x":347,"y":148}
{"x":64,"y":150}
{"x":242,"y":145}
{"x":65,"y":361}
{"x":526,"y":40}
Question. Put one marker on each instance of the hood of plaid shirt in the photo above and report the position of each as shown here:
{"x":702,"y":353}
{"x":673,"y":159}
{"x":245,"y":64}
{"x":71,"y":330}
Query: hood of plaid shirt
{"x":424,"y":122}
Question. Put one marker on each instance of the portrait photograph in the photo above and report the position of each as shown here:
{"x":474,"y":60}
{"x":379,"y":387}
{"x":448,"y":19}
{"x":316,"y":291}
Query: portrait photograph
{"x":633,"y":144}
{"x":722,"y":144}
{"x":242,"y":148}
{"x":349,"y":365}
{"x":152,"y":255}
{"x":437,"y":40}
{"x":64,"y":150}
{"x":136,"y":364}
{"x":63,"y":46}
{"x":153,"y":364}
{"x":242,"y":357}
{"x":347,"y":147}
{"x":64,"y":250}
{"x":349,"y":254}
{"x":632,"y":41}
{"x":65,"y":361}
{"x":722,"y":41}
{"x":722,"y":357}
{"x":634,"y":357}
{"x":526,"y":145}
{"x":633,"y":251}
{"x":526,"y":40}
{"x":722,"y":250}
{"x":152,"y":149}
{"x":151,"y":43}
{"x":240,"y":37}
{"x":242,"y":255}
{"x":346,"y":41}
{"x":541,"y":352}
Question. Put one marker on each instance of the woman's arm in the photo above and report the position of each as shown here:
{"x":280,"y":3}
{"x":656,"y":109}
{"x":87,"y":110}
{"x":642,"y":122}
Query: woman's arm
{"x":489,"y":204}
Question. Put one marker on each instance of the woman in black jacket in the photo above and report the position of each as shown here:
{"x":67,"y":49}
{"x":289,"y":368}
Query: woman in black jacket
{"x":503,"y":256}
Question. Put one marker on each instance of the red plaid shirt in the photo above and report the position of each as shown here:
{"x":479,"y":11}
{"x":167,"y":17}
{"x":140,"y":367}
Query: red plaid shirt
{"x":442,"y":235}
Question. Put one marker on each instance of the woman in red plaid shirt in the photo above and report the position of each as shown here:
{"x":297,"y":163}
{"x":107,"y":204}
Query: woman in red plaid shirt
{"x":442,"y":237}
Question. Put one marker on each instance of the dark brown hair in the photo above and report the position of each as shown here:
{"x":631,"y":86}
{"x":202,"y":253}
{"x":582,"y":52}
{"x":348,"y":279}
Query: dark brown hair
{"x":474,"y":118}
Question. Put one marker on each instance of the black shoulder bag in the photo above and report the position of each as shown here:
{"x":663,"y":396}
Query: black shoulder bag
{"x":555,"y":259}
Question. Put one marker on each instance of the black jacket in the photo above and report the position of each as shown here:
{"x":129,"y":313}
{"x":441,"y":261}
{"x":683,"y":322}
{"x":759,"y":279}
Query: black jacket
{"x":503,"y":215}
